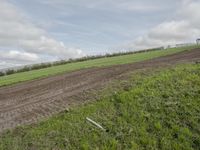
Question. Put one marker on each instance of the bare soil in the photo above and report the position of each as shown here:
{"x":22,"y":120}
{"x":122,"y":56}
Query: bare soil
{"x":28,"y":102}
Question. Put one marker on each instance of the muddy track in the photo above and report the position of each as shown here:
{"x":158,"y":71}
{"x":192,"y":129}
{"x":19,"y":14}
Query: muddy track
{"x":28,"y":102}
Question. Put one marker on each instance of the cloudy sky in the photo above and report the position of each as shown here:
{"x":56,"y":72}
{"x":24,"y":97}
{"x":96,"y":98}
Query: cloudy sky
{"x":33,"y":31}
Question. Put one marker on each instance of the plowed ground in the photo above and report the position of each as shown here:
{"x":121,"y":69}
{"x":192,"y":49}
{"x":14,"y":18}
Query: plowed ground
{"x":28,"y":102}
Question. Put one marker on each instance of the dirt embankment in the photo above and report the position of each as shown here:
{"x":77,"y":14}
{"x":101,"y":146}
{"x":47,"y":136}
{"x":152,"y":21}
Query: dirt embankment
{"x":28,"y":102}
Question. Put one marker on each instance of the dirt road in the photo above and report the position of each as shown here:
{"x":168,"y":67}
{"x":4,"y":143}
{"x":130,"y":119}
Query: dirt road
{"x":28,"y":102}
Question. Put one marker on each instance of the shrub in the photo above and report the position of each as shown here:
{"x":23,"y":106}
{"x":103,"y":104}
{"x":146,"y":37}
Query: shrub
{"x":24,"y":69}
{"x":2,"y":73}
{"x":10,"y":71}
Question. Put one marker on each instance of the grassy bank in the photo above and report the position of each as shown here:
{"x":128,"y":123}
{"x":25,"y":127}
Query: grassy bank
{"x":158,"y":110}
{"x":35,"y":74}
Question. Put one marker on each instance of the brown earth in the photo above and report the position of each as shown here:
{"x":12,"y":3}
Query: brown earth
{"x":28,"y":102}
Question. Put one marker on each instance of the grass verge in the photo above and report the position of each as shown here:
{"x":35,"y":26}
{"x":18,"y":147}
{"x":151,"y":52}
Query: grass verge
{"x":35,"y":74}
{"x":159,"y":110}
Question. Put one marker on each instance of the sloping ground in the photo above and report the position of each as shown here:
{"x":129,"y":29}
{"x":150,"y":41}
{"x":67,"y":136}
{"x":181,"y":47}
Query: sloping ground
{"x":28,"y":102}
{"x":101,"y":62}
{"x":151,"y":109}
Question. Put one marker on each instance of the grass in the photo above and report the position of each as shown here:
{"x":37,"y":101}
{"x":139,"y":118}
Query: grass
{"x":35,"y":74}
{"x":152,"y":110}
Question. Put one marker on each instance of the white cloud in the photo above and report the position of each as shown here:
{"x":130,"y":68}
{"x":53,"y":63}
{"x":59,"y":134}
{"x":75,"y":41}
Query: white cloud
{"x":185,"y":28}
{"x":190,"y":11}
{"x":18,"y":56}
{"x":5,"y":64}
{"x":28,"y":40}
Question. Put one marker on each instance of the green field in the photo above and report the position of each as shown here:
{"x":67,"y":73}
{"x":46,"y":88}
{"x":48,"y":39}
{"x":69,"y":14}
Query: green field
{"x":35,"y":74}
{"x":157,"y":109}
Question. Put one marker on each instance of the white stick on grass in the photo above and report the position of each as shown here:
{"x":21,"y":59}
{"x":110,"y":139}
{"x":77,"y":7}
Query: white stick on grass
{"x":96,"y":124}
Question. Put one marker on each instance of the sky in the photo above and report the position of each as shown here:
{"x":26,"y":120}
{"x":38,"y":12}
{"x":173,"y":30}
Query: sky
{"x":35,"y":31}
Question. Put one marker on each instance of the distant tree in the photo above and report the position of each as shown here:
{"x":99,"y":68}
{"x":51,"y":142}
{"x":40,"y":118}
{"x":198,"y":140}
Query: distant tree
{"x":2,"y":73}
{"x":24,"y":69}
{"x":10,"y":71}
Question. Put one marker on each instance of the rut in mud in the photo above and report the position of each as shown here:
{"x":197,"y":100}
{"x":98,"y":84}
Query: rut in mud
{"x":28,"y":102}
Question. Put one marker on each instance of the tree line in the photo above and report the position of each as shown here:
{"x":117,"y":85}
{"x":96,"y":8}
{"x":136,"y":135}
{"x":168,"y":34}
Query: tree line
{"x":62,"y":62}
